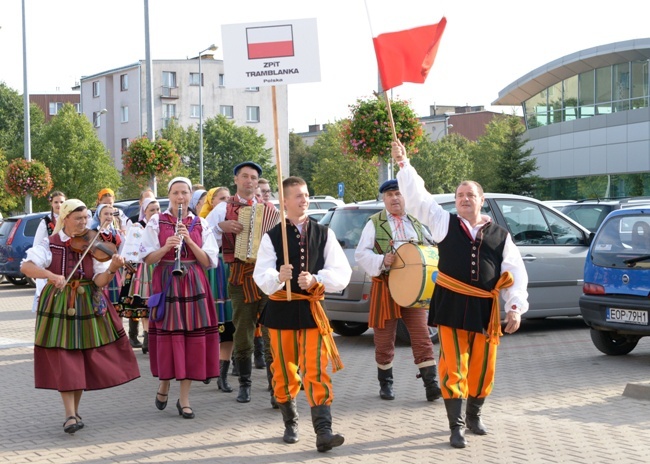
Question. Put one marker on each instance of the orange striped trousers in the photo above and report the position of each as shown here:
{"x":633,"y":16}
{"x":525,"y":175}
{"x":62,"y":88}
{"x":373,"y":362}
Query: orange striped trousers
{"x":467,"y":363}
{"x":302,"y":349}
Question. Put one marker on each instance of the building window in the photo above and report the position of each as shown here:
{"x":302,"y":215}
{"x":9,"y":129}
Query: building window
{"x":194,"y":111}
{"x":169,"y":113}
{"x":55,"y":107}
{"x":227,"y":111}
{"x":125,"y":145}
{"x":252,"y":89}
{"x":222,"y":80}
{"x":124,"y":82}
{"x":97,"y":119}
{"x":194,"y":79}
{"x":77,"y":107}
{"x":125,"y":114}
{"x":96,"y":89}
{"x":252,"y":114}
{"x":169,"y":79}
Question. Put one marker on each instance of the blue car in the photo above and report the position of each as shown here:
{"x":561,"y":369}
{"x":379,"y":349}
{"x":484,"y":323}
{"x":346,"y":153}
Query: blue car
{"x":16,"y":237}
{"x":615,"y":303}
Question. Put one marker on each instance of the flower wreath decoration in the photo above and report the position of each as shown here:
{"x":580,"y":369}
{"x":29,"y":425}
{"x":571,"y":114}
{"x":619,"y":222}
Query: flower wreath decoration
{"x":144,"y":157}
{"x":24,"y":178}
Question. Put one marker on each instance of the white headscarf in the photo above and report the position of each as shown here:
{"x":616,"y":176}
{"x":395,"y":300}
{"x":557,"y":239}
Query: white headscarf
{"x":179,"y":179}
{"x":145,"y":204}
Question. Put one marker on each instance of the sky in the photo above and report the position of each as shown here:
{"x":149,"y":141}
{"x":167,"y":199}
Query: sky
{"x":486,"y":45}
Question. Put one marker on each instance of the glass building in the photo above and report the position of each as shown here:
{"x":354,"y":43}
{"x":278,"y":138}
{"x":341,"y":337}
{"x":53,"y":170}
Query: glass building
{"x":588,"y":121}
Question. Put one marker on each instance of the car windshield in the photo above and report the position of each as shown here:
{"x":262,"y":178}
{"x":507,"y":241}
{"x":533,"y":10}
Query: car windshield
{"x":622,"y":239}
{"x":348,"y":223}
{"x":590,"y":216}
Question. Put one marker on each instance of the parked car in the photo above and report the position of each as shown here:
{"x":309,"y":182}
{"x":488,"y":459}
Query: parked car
{"x":131,"y":208}
{"x":553,"y":248}
{"x":16,"y":237}
{"x":317,"y":214}
{"x":615,"y":302}
{"x":558,"y":204}
{"x":591,"y":213}
{"x":318,"y":202}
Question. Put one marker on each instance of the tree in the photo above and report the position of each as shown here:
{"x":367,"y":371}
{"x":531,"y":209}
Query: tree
{"x":301,"y":160}
{"x":12,"y":122}
{"x":515,"y":167}
{"x":77,"y":159}
{"x":333,"y":166}
{"x":226,"y":145}
{"x":445,"y":163}
{"x":8,"y":202}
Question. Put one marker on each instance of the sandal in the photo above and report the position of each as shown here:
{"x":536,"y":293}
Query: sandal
{"x":79,"y":421}
{"x":71,"y":428}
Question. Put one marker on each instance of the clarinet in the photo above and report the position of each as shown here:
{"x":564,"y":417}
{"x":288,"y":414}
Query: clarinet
{"x":179,"y":269}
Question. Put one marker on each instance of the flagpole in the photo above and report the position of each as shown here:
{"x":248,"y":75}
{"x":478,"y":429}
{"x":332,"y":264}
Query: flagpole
{"x":390,"y":117}
{"x":278,"y":166}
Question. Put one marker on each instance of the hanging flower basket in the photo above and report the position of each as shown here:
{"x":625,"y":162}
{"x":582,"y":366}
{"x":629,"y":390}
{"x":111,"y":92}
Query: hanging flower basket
{"x":367,"y":133}
{"x":147,"y":158}
{"x":24,"y":178}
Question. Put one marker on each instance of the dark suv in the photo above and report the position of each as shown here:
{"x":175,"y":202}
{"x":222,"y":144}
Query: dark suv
{"x":591,"y":213}
{"x":131,"y":208}
{"x":16,"y":237}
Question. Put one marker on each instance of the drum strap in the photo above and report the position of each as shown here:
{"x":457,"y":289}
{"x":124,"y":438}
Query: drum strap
{"x":506,"y":280}
{"x":382,"y":306}
{"x":316,"y":293}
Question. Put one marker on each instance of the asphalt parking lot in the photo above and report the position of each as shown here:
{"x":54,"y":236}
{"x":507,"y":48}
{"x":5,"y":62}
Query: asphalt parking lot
{"x":556,"y":400}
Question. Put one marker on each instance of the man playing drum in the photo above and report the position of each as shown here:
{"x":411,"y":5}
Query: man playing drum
{"x":478,"y":262}
{"x":384,"y":233}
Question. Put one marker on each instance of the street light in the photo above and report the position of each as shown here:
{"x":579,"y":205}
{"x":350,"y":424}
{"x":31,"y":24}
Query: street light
{"x":211,"y":48}
{"x":97,"y":116}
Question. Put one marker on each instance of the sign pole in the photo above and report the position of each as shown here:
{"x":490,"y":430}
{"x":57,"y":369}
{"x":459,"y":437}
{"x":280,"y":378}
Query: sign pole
{"x":278,"y":166}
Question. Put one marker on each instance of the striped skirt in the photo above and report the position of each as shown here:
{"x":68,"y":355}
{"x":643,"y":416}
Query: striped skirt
{"x":218,"y":278}
{"x":135,"y":292}
{"x":80,"y":343}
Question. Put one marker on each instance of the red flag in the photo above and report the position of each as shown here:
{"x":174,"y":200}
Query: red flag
{"x":407,"y":56}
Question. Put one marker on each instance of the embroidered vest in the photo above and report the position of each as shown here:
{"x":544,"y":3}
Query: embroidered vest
{"x":384,"y":234}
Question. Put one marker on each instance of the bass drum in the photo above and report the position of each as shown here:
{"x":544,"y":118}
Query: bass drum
{"x":409,"y":280}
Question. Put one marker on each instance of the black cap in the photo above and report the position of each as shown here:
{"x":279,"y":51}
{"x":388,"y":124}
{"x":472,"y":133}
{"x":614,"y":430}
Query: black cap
{"x":390,"y":184}
{"x":250,"y":164}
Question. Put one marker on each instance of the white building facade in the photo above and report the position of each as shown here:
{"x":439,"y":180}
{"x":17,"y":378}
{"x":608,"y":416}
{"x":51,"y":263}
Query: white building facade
{"x":122,"y":92}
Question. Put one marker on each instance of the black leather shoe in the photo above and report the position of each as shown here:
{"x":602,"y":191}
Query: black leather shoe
{"x":457,"y":438}
{"x":181,"y":411}
{"x":71,"y":428}
{"x":161,"y":404}
{"x":79,"y":422}
{"x":244,"y":394}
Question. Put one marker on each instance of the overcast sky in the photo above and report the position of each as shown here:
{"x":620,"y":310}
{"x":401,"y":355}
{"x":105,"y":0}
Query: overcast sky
{"x":486,"y":46}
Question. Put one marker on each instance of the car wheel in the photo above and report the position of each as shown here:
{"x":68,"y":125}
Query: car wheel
{"x":612,"y":343}
{"x":404,"y":337}
{"x":348,"y":329}
{"x":18,"y":280}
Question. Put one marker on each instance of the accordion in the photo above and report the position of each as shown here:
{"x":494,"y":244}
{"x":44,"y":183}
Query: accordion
{"x":256,"y":221}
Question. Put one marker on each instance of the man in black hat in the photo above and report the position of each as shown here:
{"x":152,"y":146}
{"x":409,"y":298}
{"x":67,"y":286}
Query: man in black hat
{"x":385,"y":232}
{"x":247,"y":299}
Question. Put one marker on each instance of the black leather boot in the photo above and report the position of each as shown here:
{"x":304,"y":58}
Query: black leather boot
{"x":321,"y":417}
{"x":429,"y":375}
{"x":133,"y":334}
{"x":145,"y":342}
{"x":290,"y":417}
{"x":385,"y":377}
{"x":473,"y":415}
{"x":222,"y":381}
{"x":235,"y":369}
{"x":245,"y":368}
{"x":258,"y":352}
{"x":455,"y":407}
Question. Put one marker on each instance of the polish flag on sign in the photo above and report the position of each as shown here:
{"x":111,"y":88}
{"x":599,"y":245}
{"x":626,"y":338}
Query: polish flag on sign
{"x":269,"y":42}
{"x":407,"y":56}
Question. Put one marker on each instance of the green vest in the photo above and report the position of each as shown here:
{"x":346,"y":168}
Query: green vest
{"x":384,"y":234}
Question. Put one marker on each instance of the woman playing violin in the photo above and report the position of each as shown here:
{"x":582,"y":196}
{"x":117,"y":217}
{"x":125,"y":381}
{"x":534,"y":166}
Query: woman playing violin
{"x":184,"y":343}
{"x":80,"y":343}
{"x":107,"y":224}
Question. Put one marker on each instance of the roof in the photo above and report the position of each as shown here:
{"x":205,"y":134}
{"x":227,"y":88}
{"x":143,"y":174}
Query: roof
{"x":551,"y":73}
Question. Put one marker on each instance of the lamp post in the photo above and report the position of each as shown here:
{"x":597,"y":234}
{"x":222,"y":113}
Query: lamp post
{"x":26,"y":122}
{"x":212,"y":48}
{"x":98,"y":115}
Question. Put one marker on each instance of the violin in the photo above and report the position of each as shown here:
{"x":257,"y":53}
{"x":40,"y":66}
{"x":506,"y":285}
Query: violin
{"x":101,"y":251}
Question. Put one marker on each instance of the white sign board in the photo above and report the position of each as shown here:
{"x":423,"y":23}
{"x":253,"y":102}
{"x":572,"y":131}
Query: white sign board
{"x":270,"y":53}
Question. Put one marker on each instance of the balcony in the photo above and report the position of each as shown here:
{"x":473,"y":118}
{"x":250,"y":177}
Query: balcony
{"x":169,"y":92}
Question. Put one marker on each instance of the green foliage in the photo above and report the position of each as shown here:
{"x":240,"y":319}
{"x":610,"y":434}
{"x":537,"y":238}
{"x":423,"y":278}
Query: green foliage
{"x":301,"y":160}
{"x":12,"y":127}
{"x":77,"y":159}
{"x":24,"y":178}
{"x":445,"y":163}
{"x":8,"y":203}
{"x":225,"y":146}
{"x":333,"y":166}
{"x":515,"y":167}
{"x":367,"y":134}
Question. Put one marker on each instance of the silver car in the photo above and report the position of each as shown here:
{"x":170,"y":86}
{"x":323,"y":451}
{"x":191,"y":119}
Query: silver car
{"x":553,"y":247}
